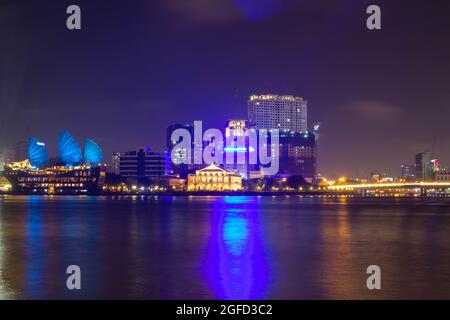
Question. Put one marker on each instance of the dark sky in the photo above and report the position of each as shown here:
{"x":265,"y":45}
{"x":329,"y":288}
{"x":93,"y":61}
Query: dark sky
{"x":137,"y":66}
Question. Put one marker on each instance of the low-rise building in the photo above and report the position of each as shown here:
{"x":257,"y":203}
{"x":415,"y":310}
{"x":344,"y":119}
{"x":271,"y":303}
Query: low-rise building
{"x":442,"y":176}
{"x":172,"y":183}
{"x":141,"y":164}
{"x":214,"y":178}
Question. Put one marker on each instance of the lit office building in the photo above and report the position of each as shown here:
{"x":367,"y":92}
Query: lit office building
{"x":238,"y":128}
{"x":423,"y":168}
{"x":116,"y":162}
{"x":298,"y":155}
{"x":287,"y":113}
{"x":376,"y":176}
{"x":435,"y":165}
{"x":178,"y":165}
{"x":407,"y":171}
{"x":142,"y":164}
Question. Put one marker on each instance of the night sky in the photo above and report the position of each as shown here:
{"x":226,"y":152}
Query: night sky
{"x":137,"y":66}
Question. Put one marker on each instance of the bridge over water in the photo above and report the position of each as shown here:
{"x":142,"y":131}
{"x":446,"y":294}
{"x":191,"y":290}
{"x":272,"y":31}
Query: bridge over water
{"x":422,"y":187}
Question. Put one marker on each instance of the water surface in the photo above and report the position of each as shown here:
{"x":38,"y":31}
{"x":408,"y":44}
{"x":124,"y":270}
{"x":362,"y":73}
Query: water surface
{"x":243,"y":247}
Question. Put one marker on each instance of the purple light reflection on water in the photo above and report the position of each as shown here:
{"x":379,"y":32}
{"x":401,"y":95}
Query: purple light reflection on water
{"x":235,"y":265}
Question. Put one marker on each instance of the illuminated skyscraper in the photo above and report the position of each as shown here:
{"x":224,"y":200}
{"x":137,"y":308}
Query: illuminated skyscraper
{"x":287,"y":113}
{"x":423,"y":168}
{"x":238,"y":128}
{"x":116,"y":162}
{"x":298,"y":155}
{"x":170,"y":144}
{"x":178,"y":166}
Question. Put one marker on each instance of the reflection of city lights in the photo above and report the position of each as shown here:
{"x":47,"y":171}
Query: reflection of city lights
{"x":235,"y":266}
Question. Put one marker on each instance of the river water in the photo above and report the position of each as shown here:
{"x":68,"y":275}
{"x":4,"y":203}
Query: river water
{"x":235,"y":247}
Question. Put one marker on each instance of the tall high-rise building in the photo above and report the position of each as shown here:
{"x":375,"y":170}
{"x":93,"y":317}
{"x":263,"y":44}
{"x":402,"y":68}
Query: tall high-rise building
{"x":171,"y":143}
{"x":270,"y":111}
{"x":116,"y":162}
{"x":179,"y":166}
{"x":238,"y":128}
{"x":423,"y":168}
{"x":298,"y":155}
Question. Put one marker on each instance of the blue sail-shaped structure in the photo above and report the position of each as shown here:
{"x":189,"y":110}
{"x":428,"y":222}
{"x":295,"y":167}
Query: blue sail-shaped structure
{"x":92,"y":152}
{"x":37,"y":153}
{"x":68,"y":149}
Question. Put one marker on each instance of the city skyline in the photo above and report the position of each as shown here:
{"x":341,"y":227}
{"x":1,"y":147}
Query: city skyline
{"x":227,"y":156}
{"x":270,"y":114}
{"x":118,"y":91}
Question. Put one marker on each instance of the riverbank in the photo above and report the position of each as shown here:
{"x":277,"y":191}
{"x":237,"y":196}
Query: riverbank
{"x":244,"y":194}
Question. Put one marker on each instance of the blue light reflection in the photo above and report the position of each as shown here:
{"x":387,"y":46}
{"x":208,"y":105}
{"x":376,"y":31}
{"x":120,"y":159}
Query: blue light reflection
{"x":235,"y":266}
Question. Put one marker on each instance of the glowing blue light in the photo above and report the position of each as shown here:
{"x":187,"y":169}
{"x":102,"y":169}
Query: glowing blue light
{"x":238,"y":199}
{"x":235,"y":149}
{"x":92,"y":152}
{"x":68,"y":149}
{"x":235,"y":234}
{"x":235,"y":266}
{"x":37,"y":154}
